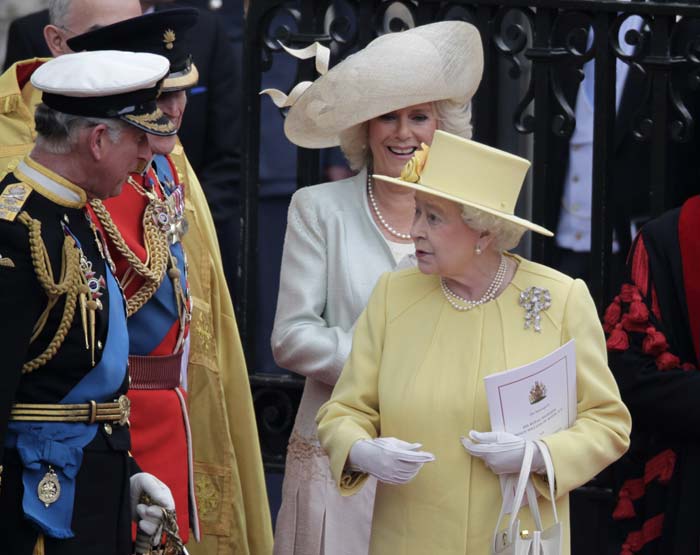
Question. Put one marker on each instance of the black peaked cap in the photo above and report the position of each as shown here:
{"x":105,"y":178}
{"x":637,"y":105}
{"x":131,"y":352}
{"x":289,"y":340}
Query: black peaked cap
{"x":162,"y":32}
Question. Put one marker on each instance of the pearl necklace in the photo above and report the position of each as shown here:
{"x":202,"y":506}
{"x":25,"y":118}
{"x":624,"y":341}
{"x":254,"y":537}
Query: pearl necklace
{"x":375,"y":207}
{"x":454,"y":299}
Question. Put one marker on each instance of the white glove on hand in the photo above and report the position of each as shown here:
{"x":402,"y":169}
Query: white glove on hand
{"x":150,"y":517}
{"x":388,"y":459}
{"x":501,"y":452}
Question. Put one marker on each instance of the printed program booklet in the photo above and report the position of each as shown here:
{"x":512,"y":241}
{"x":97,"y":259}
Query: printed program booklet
{"x":537,"y":399}
{"x":533,"y":401}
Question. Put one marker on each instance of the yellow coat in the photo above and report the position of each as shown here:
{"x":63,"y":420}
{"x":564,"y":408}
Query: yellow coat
{"x":229,"y":478}
{"x":416,"y":372}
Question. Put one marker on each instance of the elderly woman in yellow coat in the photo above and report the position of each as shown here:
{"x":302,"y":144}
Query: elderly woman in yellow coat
{"x":428,"y":337}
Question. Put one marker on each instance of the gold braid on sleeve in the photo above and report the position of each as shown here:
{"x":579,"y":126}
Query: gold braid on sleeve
{"x":157,"y":253}
{"x":71,"y":283}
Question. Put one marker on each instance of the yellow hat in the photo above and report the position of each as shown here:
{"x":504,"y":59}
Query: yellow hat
{"x":469,"y":173}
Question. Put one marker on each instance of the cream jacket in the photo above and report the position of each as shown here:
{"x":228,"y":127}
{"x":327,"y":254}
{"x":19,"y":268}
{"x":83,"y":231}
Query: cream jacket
{"x":416,"y":373}
{"x":333,"y":255}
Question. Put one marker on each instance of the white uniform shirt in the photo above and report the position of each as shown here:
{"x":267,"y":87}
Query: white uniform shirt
{"x":574,"y":227}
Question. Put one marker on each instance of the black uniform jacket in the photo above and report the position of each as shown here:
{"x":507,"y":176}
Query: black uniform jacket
{"x":101,"y":520}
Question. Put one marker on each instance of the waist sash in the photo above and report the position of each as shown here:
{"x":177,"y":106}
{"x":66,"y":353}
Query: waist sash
{"x":59,"y":444}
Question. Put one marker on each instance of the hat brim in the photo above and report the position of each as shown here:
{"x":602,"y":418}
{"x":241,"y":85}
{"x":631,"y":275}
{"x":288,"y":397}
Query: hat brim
{"x":429,"y":63}
{"x":181,"y":80}
{"x":435,"y":192}
{"x":153,"y":122}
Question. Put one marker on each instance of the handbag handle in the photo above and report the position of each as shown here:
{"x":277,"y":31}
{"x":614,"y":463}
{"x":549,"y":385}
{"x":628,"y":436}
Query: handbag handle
{"x":549,"y":467}
{"x":523,"y":479}
{"x":532,"y":494}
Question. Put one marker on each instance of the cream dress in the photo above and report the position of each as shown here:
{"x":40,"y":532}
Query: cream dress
{"x":333,"y":255}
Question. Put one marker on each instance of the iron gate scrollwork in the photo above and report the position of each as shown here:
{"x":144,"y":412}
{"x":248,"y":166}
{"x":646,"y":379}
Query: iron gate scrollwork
{"x":537,"y":50}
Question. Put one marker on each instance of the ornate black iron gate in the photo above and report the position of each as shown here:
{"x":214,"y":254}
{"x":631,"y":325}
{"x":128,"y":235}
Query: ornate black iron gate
{"x":535,"y":48}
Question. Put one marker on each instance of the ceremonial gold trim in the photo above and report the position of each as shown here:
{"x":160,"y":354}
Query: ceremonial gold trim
{"x":169,"y":38}
{"x":150,"y":121}
{"x":180,"y":82}
{"x":72,"y":283}
{"x":115,"y":413}
{"x":54,"y":177}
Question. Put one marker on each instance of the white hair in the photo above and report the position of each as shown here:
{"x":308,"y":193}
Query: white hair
{"x":506,"y":235}
{"x":57,"y":132}
{"x":452,"y":117}
{"x":58,"y":9}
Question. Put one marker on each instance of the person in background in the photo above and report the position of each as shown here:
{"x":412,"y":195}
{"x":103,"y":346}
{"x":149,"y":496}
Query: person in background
{"x":144,"y":227}
{"x":427,"y":339}
{"x":341,"y":236}
{"x":653,"y":327}
{"x":571,"y":157}
{"x":211,"y":128}
{"x":64,"y":418}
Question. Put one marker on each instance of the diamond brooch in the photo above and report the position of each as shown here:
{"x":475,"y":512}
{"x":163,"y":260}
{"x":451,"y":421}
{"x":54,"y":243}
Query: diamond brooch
{"x":534,"y":300}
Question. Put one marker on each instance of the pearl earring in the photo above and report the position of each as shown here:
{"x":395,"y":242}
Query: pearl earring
{"x":477,"y":250}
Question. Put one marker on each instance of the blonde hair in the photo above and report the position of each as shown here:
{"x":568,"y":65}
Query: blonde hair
{"x":506,"y":235}
{"x":452,"y":117}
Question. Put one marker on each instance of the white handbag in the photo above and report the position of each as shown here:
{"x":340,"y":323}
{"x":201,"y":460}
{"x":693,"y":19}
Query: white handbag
{"x":513,"y":540}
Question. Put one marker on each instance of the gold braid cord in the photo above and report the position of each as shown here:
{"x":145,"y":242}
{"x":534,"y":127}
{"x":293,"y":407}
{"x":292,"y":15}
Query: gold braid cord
{"x":71,"y":284}
{"x":157,"y":251}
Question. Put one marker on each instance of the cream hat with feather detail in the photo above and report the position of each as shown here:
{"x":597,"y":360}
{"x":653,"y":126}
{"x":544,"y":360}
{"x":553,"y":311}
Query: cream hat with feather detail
{"x":469,"y":173}
{"x":433,"y":62}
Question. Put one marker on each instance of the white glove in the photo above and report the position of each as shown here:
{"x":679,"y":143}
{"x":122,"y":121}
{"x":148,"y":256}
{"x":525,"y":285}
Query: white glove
{"x":388,"y":459}
{"x":150,"y":517}
{"x":501,"y":452}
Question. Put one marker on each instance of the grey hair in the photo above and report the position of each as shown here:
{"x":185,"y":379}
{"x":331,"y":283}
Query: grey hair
{"x":506,"y":235}
{"x":57,"y":132}
{"x":58,"y":9}
{"x":453,"y":117}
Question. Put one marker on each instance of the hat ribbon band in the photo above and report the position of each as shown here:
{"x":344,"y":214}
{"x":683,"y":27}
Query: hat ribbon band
{"x":322,"y":55}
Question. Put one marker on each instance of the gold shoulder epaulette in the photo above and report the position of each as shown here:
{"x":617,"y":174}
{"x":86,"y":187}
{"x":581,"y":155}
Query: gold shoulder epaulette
{"x":12,"y":200}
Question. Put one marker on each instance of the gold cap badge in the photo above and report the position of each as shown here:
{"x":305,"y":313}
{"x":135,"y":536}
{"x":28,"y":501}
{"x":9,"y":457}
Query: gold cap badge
{"x":169,"y":38}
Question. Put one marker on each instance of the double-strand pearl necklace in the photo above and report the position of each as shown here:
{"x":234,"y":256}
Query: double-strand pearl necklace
{"x":375,"y":207}
{"x":460,"y":303}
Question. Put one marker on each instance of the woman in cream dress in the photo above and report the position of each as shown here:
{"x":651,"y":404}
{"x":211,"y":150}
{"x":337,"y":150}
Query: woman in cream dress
{"x":413,"y":384}
{"x":342,"y":236}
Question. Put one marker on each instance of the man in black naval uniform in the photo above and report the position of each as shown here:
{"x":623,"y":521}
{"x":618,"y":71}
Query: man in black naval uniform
{"x":68,"y":484}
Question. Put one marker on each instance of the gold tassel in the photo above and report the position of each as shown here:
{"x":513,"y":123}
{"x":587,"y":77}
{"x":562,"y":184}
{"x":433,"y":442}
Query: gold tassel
{"x":93,"y":305}
{"x":83,"y":315}
{"x":39,"y":546}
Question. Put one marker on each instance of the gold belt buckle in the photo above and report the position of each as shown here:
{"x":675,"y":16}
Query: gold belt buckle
{"x":125,"y":409}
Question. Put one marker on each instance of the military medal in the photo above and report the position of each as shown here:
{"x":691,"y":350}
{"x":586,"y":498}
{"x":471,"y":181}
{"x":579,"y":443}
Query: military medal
{"x":49,"y":488}
{"x":89,"y":295}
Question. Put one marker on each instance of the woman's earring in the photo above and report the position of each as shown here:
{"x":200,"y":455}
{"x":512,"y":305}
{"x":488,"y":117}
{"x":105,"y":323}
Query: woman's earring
{"x":477,"y":250}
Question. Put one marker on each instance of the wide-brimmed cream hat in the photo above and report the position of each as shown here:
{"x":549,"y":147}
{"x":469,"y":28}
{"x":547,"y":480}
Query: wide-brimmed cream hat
{"x":469,"y":173}
{"x":432,"y":62}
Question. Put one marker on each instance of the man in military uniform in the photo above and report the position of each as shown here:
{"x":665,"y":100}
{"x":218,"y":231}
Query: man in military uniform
{"x":68,"y":483}
{"x":156,"y":288}
{"x":227,"y":469}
